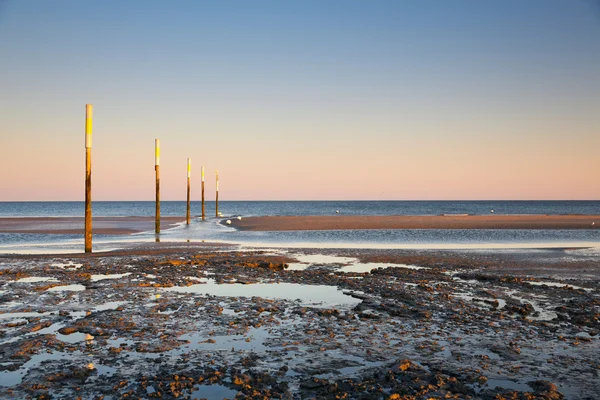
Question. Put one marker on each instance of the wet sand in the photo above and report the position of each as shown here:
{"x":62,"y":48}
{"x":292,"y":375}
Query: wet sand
{"x":218,"y":323}
{"x":75,"y":225}
{"x":296,"y":223}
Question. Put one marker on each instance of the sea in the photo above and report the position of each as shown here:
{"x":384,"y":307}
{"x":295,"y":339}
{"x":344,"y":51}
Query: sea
{"x":212,"y":230}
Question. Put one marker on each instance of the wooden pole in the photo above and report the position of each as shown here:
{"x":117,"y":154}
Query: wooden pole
{"x":88,"y":178}
{"x":189,"y":173}
{"x":203,"y":215}
{"x":157,"y":169}
{"x":217,"y":196}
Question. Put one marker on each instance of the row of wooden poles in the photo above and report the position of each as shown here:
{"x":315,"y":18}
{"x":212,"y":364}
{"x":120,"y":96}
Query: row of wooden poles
{"x":189,"y":176}
{"x":88,"y":183}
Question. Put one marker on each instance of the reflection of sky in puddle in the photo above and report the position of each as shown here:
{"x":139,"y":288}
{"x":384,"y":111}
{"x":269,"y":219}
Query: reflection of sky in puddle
{"x":470,"y":297}
{"x":367,"y":267}
{"x":11,"y":378}
{"x":213,"y":392}
{"x":111,"y":305}
{"x":357,"y":364}
{"x":314,"y":295}
{"x":346,"y":264}
{"x":195,"y":278}
{"x":53,"y":329}
{"x":69,"y":266}
{"x":75,"y":337}
{"x":557,"y":284}
{"x":508,"y":384}
{"x":35,"y":279}
{"x":305,"y":260}
{"x":253,"y":340}
{"x":96,"y":278}
{"x":68,"y":288}
{"x":544,"y":315}
{"x":24,"y":315}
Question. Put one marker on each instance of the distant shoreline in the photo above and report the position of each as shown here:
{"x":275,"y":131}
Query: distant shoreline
{"x":352,"y":222}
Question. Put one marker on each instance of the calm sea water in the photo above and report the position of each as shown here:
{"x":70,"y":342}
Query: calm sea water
{"x":253,"y":208}
{"x":212,"y":230}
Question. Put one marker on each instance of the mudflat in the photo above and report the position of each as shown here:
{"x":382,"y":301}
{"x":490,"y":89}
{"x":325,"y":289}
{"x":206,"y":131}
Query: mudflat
{"x":451,"y":221}
{"x":202,"y":322}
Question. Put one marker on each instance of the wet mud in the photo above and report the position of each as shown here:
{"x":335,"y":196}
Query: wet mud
{"x":222,"y":323}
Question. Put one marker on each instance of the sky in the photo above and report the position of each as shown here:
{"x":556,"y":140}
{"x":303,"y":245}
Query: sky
{"x":302,"y":100}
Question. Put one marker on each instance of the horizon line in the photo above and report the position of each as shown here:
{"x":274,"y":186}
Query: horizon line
{"x":338,"y":200}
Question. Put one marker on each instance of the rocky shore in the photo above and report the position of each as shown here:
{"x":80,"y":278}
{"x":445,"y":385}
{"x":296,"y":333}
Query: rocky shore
{"x":350,"y":324}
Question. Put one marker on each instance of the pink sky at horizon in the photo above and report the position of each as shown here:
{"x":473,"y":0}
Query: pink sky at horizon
{"x":343,"y":167}
{"x":462,"y":101}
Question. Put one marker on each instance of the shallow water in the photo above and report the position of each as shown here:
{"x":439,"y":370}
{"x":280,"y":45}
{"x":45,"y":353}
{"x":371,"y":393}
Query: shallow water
{"x":212,"y":230}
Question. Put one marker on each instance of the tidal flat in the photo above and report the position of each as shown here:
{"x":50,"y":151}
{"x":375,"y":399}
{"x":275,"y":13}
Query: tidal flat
{"x":222,"y":322}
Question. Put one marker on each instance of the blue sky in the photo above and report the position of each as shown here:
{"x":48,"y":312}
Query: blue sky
{"x":303,"y":100}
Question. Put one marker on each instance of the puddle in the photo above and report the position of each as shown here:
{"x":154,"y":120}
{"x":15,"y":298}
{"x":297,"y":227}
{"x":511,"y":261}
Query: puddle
{"x":150,"y":276}
{"x":53,"y":329}
{"x":96,"y":278}
{"x":111,"y":305}
{"x":367,"y":267}
{"x":558,"y":284}
{"x":472,"y":282}
{"x":313,"y":295}
{"x":105,"y":369}
{"x":306,"y":260}
{"x":347,"y":264}
{"x":357,"y":364}
{"x":11,"y":378}
{"x":24,"y":315}
{"x":544,"y":315}
{"x":213,"y":392}
{"x":75,"y":337}
{"x":69,"y":266}
{"x":118,"y":341}
{"x":508,"y":384}
{"x":253,"y":340}
{"x":195,"y":278}
{"x":470,"y":298}
{"x":35,"y":279}
{"x":67,"y":288}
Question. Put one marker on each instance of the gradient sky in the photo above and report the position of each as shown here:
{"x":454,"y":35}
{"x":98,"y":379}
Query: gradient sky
{"x":312,"y":99}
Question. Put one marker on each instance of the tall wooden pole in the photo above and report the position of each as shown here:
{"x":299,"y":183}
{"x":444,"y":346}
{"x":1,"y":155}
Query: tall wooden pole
{"x":217,"y":196}
{"x":88,"y":178}
{"x":157,"y":169}
{"x":203,"y":215}
{"x":189,"y":173}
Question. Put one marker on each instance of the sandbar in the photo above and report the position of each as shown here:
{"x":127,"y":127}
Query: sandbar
{"x":345,"y":222}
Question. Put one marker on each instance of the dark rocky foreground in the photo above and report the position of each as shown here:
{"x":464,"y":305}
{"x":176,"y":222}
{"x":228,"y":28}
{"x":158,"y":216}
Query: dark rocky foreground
{"x":227,"y":324}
